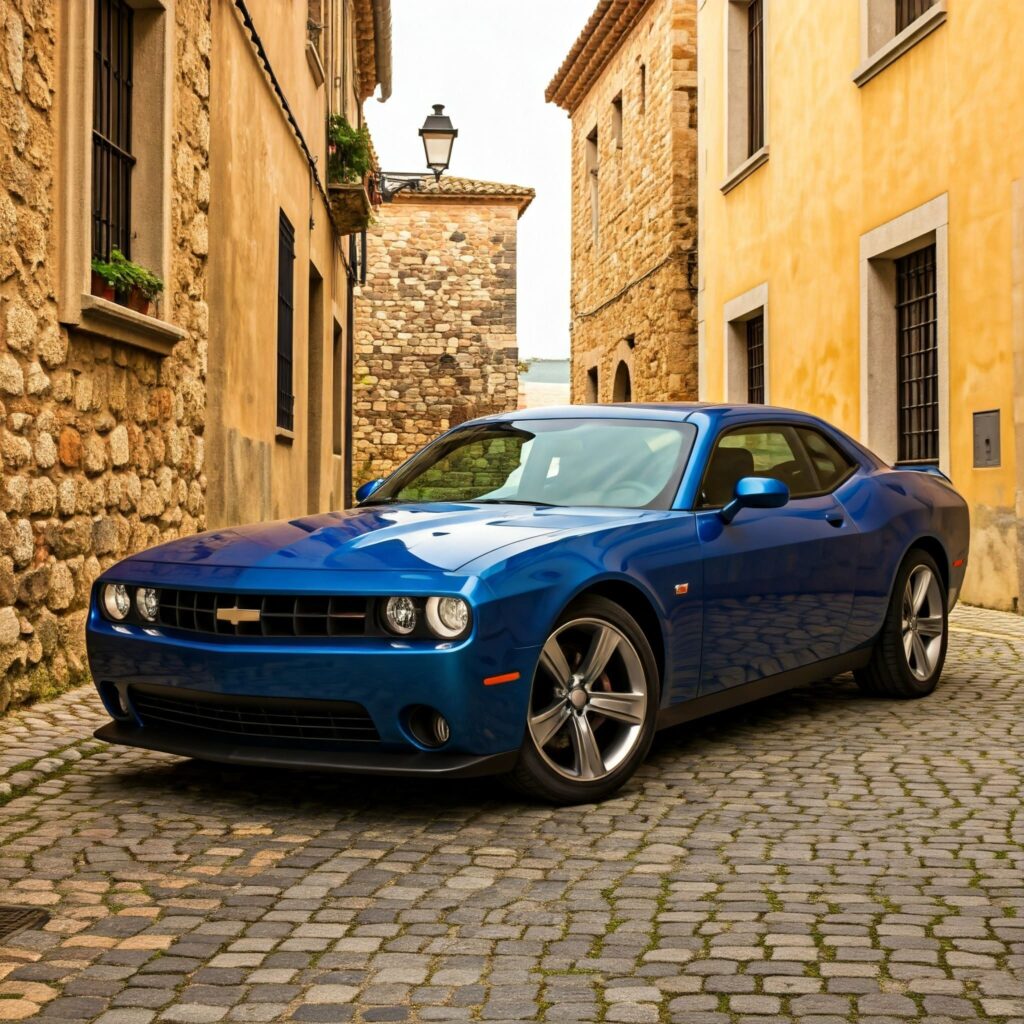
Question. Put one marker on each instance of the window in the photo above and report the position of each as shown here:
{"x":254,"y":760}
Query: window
{"x":831,"y":466}
{"x":285,"y":327}
{"x":112,"y":159}
{"x":757,"y":451}
{"x":755,"y":359}
{"x":314,"y":387}
{"x":908,"y":11}
{"x":592,"y":166}
{"x":747,"y":345}
{"x":917,"y":356}
{"x":617,"y":121}
{"x":643,"y":89}
{"x":337,"y":378}
{"x":904,"y":336}
{"x":622,"y":387}
{"x":592,"y":384}
{"x":755,"y":76}
{"x":746,"y":135}
{"x":889,"y":28}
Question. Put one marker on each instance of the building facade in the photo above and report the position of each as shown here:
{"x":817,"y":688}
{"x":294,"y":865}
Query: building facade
{"x":435,"y":339}
{"x":157,"y":129}
{"x":102,"y":407}
{"x":629,"y":85}
{"x":282,"y":275}
{"x":862,"y":236}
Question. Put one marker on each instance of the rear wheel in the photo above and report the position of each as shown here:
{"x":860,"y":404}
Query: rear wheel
{"x":911,"y":648}
{"x":592,"y":708}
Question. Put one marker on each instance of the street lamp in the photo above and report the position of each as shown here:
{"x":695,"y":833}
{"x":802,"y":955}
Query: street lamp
{"x":438,"y":137}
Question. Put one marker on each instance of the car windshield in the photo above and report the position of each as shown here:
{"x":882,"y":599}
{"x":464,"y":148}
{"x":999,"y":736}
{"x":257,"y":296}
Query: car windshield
{"x":609,"y":463}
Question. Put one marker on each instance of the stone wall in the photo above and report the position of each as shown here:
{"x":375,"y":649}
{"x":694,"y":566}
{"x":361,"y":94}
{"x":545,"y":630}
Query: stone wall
{"x":101,"y":442}
{"x":435,"y":331}
{"x":634,"y":280}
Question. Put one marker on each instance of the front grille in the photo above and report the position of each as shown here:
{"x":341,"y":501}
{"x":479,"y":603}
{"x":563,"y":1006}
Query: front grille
{"x":255,"y":718}
{"x":279,"y":614}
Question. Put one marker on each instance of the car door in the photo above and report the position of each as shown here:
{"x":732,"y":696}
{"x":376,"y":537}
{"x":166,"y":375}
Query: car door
{"x":778,"y":583}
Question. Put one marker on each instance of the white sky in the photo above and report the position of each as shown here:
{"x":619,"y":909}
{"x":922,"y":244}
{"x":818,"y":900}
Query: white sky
{"x":489,"y":62}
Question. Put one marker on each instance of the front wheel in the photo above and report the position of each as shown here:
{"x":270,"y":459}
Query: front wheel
{"x":593,"y":706}
{"x":911,"y":648}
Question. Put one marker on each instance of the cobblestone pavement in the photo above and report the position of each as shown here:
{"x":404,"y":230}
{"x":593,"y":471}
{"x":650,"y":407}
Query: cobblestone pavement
{"x":819,"y":857}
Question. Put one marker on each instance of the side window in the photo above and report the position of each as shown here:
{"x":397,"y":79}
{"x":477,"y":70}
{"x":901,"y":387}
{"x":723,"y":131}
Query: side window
{"x":830,"y":464}
{"x":756,"y":451}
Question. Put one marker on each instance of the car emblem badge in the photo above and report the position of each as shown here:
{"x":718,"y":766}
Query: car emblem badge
{"x":237,"y":615}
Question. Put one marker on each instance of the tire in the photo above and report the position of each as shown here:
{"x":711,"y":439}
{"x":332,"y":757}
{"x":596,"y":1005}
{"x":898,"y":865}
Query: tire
{"x":588,"y":728}
{"x":910,"y":650}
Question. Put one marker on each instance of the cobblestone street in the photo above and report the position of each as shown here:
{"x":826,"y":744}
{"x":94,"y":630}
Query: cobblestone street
{"x":820,"y":857}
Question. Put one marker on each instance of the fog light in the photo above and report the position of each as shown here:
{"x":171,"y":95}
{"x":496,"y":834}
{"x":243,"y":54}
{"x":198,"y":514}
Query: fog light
{"x":442,"y":732}
{"x":429,"y":727}
{"x":116,"y":602}
{"x":400,"y":615}
{"x":148,"y":602}
{"x":447,"y":617}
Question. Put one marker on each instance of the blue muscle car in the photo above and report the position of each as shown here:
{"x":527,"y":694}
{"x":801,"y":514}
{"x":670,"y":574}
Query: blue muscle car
{"x":536,"y":593}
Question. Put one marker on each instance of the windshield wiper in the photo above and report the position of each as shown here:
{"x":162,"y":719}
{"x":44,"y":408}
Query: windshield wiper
{"x":381,"y":501}
{"x":511,"y":501}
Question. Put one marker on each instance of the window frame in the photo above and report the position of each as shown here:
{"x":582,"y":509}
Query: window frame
{"x":285,"y":390}
{"x":153,"y":77}
{"x":880,"y":43}
{"x":796,"y":443}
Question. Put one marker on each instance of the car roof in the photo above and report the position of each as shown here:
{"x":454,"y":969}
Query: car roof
{"x":675,"y":411}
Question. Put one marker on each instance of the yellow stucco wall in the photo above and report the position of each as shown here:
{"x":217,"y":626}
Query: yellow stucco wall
{"x":257,"y":169}
{"x":944,"y":118}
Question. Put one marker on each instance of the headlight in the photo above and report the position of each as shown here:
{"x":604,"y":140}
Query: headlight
{"x":147,"y":600}
{"x":116,"y":602}
{"x":400,"y":615}
{"x":447,"y":617}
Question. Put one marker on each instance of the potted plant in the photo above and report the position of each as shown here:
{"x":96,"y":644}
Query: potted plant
{"x":130,"y":284}
{"x":349,"y":159}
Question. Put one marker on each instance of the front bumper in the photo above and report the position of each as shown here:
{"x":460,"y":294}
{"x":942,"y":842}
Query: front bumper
{"x":386,"y":677}
{"x":389,"y":763}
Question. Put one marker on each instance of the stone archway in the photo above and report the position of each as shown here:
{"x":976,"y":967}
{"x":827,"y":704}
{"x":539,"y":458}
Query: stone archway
{"x":622,"y":386}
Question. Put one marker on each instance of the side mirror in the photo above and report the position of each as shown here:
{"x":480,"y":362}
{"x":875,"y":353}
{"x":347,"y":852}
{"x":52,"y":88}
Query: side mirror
{"x":368,"y":488}
{"x":755,"y":492}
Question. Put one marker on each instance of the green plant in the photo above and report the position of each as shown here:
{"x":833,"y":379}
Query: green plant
{"x":122,"y":275}
{"x":348,"y":150}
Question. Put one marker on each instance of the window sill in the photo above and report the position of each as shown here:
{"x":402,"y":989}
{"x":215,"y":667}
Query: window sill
{"x":896,"y":47}
{"x":745,"y":169}
{"x":282,"y":435}
{"x":119,"y":323}
{"x":316,"y":65}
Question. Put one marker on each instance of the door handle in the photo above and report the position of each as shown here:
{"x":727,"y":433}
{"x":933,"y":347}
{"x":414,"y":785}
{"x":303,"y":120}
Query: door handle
{"x":835,"y":519}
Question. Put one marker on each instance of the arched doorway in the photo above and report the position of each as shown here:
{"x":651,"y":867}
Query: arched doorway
{"x":622,"y":388}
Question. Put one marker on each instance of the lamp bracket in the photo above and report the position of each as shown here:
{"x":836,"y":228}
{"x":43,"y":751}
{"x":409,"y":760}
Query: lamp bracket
{"x":391,"y":183}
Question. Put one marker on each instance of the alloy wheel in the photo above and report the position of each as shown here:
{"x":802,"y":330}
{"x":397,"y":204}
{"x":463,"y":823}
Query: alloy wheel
{"x":589,"y":700}
{"x":923,"y":623}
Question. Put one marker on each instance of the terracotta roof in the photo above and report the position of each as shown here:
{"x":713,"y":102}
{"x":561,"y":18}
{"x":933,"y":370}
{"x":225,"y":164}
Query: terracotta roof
{"x":472,"y":188}
{"x":608,"y":26}
{"x":373,"y":47}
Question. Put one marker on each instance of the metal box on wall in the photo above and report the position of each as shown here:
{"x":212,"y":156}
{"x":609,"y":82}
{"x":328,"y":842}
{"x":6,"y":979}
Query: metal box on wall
{"x":986,"y":439}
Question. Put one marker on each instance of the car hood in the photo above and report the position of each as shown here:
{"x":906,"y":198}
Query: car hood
{"x":381,"y":538}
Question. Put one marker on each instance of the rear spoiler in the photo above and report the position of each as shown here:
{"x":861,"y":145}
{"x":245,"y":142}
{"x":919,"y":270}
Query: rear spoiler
{"x":917,"y":467}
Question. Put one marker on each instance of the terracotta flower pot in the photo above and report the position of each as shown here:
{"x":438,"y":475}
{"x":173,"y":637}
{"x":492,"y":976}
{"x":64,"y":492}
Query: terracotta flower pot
{"x":101,"y":288}
{"x":138,"y":302}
